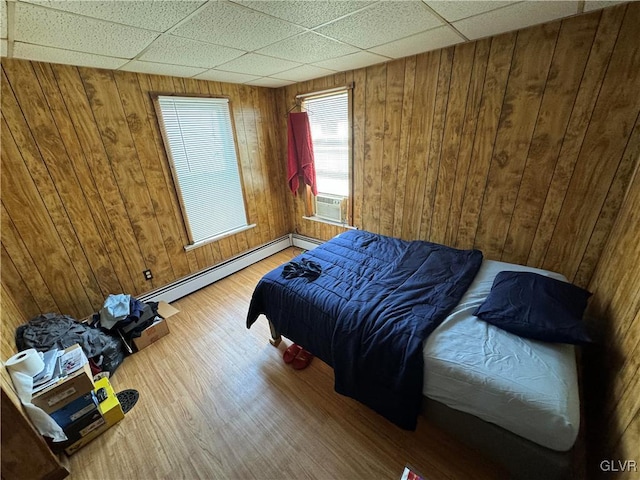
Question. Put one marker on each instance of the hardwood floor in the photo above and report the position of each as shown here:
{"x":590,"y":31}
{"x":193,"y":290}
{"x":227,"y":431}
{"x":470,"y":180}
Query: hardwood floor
{"x":217,"y":402}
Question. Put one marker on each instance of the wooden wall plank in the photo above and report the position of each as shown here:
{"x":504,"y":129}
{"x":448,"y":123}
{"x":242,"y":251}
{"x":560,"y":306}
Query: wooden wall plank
{"x":498,"y":69}
{"x":20,"y":257}
{"x":36,"y":157}
{"x":357,"y":149}
{"x":31,"y":217}
{"x":403,"y":152}
{"x":610,"y":208}
{"x":529,"y":71}
{"x":615,"y":310}
{"x":77,"y":102}
{"x":436,"y":139}
{"x":111,"y":273}
{"x":590,"y":87}
{"x":567,"y":68}
{"x":474,"y":99}
{"x":12,"y":317}
{"x":462,"y":67}
{"x":374,"y":144}
{"x":427,"y":72}
{"x":391,"y":142}
{"x":613,"y":118}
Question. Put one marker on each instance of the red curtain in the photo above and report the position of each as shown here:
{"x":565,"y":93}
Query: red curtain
{"x":300,"y":161}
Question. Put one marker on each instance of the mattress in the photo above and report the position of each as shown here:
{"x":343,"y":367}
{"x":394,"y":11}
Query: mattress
{"x":527,"y":387}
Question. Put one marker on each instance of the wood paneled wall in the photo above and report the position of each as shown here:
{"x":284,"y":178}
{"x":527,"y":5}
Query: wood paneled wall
{"x":88,"y":200}
{"x":520,"y":145}
{"x":615,"y":363}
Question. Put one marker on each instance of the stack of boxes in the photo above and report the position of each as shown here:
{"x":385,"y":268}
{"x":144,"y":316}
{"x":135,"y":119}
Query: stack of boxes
{"x":83,"y":409}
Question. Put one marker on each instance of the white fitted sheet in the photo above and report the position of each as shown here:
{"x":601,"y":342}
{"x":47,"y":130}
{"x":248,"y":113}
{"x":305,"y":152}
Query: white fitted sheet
{"x":527,"y":387}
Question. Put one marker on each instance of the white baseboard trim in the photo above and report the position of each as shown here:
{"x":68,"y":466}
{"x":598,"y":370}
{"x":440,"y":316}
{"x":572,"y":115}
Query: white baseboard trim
{"x":307,"y":243}
{"x":196,"y":281}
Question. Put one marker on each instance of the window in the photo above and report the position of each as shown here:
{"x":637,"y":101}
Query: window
{"x":201,"y":146}
{"x":331,"y":133}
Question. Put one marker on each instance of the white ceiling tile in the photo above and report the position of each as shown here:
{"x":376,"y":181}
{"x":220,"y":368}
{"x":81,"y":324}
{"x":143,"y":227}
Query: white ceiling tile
{"x":269,"y":82}
{"x":254,"y":64}
{"x":439,"y":37}
{"x":183,"y":51}
{"x":54,"y":28}
{"x":305,"y":72}
{"x":597,"y":4}
{"x":161,"y":69}
{"x":3,"y":19}
{"x":308,"y":48}
{"x":3,"y":48}
{"x":514,"y":17}
{"x":231,"y":25}
{"x":352,"y":61}
{"x":152,"y":15}
{"x":453,"y":10}
{"x":304,"y":12}
{"x":382,"y":23}
{"x":229,"y":77}
{"x":68,"y":57}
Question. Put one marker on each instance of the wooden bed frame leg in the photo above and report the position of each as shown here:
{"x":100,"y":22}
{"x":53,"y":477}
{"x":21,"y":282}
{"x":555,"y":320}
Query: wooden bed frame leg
{"x":275,"y":336}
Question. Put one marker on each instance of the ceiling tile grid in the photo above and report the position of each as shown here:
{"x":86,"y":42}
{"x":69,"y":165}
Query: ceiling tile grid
{"x":232,"y":25}
{"x":268,"y":43}
{"x":222,"y":76}
{"x":161,"y":69}
{"x":308,"y":48}
{"x":190,"y":53}
{"x":514,"y":17}
{"x":433,"y":39}
{"x":54,"y":28}
{"x":261,"y":65}
{"x":306,"y":13}
{"x":381,"y":23}
{"x":40,"y":53}
{"x":147,"y":14}
{"x":3,"y":19}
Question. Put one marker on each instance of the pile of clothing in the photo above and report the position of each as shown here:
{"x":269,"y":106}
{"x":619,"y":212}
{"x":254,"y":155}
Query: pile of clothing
{"x":126,"y":316}
{"x":105,"y":339}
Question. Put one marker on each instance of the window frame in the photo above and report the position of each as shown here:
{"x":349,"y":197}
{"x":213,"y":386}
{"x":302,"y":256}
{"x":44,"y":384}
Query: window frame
{"x":174,"y":175}
{"x":309,"y":197}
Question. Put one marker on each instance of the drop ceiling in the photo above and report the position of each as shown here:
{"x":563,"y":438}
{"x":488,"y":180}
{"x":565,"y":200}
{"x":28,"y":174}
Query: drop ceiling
{"x":268,"y":43}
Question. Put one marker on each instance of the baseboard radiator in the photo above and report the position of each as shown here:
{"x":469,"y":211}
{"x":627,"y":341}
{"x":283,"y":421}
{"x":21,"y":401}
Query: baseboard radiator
{"x":196,"y":281}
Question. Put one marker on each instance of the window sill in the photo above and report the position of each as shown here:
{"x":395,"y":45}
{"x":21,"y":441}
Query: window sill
{"x":330,"y":222}
{"x":217,"y":237}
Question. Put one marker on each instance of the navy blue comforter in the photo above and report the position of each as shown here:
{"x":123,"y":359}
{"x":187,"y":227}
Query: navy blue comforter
{"x":369,"y":312}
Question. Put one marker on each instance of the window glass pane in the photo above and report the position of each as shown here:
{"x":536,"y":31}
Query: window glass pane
{"x":203,"y":153}
{"x":329,"y":121}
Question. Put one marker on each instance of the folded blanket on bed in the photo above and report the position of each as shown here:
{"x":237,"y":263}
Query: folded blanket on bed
{"x":367,"y":315}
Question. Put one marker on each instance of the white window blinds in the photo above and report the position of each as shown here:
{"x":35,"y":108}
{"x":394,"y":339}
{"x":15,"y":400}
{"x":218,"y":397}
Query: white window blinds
{"x":202,"y":149}
{"x":329,"y":121}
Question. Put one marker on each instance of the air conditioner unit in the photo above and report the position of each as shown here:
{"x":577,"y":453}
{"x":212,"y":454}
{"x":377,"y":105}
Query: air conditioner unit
{"x":331,"y":207}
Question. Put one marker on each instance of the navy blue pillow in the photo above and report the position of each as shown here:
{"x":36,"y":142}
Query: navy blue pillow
{"x":537,"y":307}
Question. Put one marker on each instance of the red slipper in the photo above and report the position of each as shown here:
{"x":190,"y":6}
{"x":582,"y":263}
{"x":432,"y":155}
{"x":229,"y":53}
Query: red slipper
{"x":291,"y":352}
{"x":302,"y":360}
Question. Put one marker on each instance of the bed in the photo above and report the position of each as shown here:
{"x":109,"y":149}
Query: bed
{"x":442,"y":352}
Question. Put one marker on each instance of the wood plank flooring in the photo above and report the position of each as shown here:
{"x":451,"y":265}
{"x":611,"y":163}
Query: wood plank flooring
{"x":217,"y":401}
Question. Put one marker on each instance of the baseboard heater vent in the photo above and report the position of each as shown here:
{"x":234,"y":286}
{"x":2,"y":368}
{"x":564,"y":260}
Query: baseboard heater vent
{"x":307,"y":243}
{"x":196,"y":281}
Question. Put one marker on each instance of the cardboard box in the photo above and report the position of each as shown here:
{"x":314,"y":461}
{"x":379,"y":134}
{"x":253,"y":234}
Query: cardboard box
{"x":75,"y":385}
{"x":159,"y":329}
{"x":84,"y":426}
{"x":111,"y":412}
{"x":73,"y":411}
